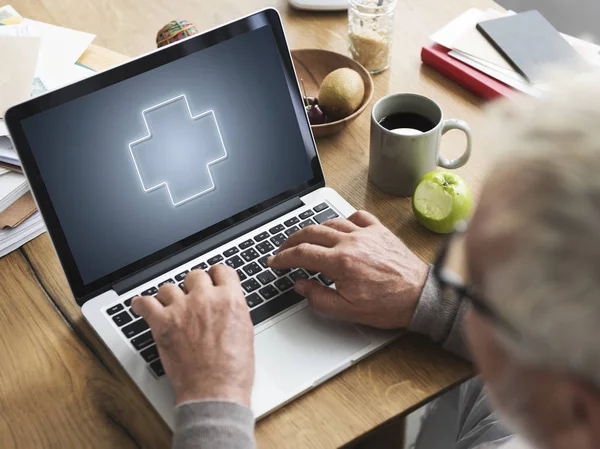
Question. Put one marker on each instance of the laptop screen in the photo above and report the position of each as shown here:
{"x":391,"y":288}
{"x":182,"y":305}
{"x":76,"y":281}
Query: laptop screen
{"x":146,"y":162}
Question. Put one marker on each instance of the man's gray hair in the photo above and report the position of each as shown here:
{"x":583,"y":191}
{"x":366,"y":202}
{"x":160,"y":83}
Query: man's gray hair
{"x":548,"y":284}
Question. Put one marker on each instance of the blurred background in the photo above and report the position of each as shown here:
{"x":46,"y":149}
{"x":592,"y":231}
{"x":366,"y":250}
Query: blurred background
{"x":574,"y":17}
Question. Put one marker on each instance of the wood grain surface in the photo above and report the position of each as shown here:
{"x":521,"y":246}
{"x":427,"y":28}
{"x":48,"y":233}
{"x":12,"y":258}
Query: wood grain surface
{"x":60,"y":387}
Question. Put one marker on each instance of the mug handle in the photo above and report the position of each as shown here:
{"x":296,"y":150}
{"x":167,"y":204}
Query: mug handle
{"x":462,"y":160}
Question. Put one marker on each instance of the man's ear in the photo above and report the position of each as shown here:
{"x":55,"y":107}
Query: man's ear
{"x":585,"y":409}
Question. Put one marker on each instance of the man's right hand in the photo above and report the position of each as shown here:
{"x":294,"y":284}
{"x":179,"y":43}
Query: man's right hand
{"x":378,"y":279}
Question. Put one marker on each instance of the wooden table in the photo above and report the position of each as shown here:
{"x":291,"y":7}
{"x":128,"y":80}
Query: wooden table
{"x":60,"y":387}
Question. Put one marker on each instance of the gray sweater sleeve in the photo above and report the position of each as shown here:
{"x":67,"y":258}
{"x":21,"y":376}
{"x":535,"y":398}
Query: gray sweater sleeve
{"x":213,"y":425}
{"x":440,"y":315}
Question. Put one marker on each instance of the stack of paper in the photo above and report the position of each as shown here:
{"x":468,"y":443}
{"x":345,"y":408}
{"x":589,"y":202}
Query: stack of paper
{"x":12,"y":187}
{"x":467,"y":45}
{"x":35,"y":57}
{"x":11,"y":239}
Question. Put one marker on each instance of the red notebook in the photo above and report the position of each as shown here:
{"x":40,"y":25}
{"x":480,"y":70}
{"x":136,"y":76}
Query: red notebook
{"x":479,"y":83}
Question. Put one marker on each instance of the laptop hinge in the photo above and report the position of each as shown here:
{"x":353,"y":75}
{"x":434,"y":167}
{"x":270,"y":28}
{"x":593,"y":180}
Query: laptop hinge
{"x":205,"y":246}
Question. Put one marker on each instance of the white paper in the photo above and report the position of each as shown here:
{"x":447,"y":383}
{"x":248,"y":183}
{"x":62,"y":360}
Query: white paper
{"x":8,"y":153}
{"x":13,"y":186}
{"x":4,"y":171}
{"x":14,"y":30}
{"x":7,"y":12}
{"x":13,"y":238}
{"x":3,"y":128}
{"x":19,"y":55}
{"x":523,"y":86}
{"x":68,"y":75}
{"x":61,"y":47}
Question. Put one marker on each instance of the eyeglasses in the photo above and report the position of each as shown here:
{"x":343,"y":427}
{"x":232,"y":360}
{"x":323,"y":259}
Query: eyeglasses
{"x":449,"y":280}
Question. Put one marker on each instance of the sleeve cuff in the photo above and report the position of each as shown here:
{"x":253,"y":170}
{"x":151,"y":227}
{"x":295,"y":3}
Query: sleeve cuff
{"x":213,"y":424}
{"x":440,"y":316}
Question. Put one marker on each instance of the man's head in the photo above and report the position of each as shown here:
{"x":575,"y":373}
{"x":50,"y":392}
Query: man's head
{"x":533,"y":252}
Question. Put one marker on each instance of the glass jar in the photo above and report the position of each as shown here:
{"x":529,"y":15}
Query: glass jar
{"x":370,"y":29}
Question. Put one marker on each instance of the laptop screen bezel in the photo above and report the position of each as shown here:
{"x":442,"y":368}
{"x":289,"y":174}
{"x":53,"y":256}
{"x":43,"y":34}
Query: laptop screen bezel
{"x":16,"y":115}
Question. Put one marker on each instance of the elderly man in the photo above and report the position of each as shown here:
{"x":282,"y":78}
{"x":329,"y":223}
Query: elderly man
{"x":529,"y":302}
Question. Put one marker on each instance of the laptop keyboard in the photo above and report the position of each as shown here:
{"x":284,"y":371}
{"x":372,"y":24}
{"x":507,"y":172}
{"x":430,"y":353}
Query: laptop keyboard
{"x":268,"y":292}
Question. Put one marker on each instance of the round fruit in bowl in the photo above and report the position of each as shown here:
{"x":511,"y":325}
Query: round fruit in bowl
{"x":336,"y":89}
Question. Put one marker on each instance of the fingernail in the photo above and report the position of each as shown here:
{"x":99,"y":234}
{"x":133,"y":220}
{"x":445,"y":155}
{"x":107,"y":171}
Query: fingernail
{"x":270,"y":259}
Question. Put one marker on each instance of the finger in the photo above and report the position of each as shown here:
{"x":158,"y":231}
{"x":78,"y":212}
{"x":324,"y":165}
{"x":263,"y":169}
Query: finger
{"x":324,"y":299}
{"x":341,"y":224}
{"x":168,"y":294}
{"x":223,"y":275}
{"x":363,"y":219}
{"x":304,"y":255}
{"x":148,"y":307}
{"x":317,"y":235}
{"x":197,"y":279}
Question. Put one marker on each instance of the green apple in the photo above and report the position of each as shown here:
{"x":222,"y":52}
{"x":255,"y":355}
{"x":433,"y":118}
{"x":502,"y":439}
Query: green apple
{"x":442,"y":200}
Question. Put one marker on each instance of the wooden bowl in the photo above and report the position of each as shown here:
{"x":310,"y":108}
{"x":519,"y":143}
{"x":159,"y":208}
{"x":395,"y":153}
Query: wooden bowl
{"x":313,"y":65}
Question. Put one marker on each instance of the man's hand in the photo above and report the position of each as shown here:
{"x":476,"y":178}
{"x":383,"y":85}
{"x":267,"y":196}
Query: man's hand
{"x":378,"y":279}
{"x":205,"y":337}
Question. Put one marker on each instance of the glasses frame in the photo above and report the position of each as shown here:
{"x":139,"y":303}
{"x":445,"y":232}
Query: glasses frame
{"x":462,"y":290}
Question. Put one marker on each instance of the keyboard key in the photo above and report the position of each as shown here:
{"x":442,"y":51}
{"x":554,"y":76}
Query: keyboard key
{"x":298,"y":274}
{"x":312,"y":273}
{"x":306,"y":214}
{"x":241,"y":275}
{"x":150,"y":292}
{"x":253,"y":300}
{"x":215,"y":259}
{"x":269,"y":292}
{"x":150,"y":354}
{"x":291,"y":221}
{"x":235,"y":262}
{"x":266,"y":277}
{"x":128,"y":302}
{"x":292,"y":230}
{"x":306,"y":223}
{"x":252,"y":268}
{"x":157,"y":368}
{"x":320,"y":207}
{"x":280,"y":273}
{"x":263,"y":261}
{"x":141,"y":341}
{"x":325,"y":280}
{"x":249,"y":255}
{"x":284,"y":283}
{"x":168,"y":281}
{"x":133,"y":314}
{"x":278,"y":239}
{"x":276,"y":229}
{"x":325,"y":215}
{"x":182,"y":287}
{"x":122,"y":319}
{"x":231,"y":251}
{"x":114,"y":309}
{"x":181,"y":276}
{"x":250,"y":285}
{"x":265,"y":247}
{"x":247,"y":244}
{"x":200,"y":266}
{"x":137,"y":327}
{"x":272,"y":308}
{"x":260,"y":237}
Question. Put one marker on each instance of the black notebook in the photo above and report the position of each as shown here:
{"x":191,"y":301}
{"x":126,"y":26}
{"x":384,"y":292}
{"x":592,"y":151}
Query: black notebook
{"x":529,"y":43}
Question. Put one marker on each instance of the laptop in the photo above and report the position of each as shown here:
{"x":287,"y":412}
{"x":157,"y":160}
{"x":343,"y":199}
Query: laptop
{"x":196,"y":154}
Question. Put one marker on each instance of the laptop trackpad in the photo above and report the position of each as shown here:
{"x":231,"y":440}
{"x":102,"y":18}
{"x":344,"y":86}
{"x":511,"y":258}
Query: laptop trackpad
{"x":305,"y":347}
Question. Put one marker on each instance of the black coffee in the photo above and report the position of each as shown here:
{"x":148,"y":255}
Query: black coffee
{"x":407,"y":120}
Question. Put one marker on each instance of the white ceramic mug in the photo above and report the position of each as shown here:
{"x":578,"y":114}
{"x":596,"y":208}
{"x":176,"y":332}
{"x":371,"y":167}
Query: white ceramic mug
{"x":398,"y":160}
